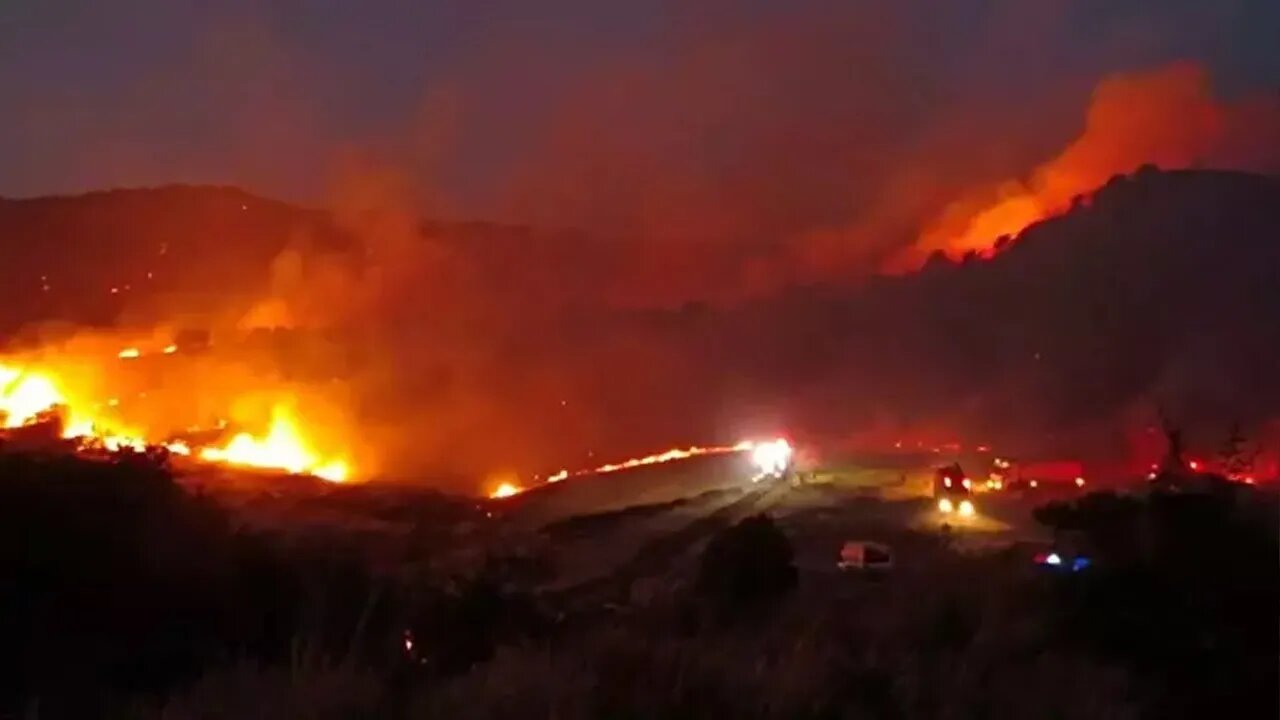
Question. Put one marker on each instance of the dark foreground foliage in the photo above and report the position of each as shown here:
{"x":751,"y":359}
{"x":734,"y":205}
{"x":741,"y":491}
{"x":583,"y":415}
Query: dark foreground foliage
{"x":1185,"y":592}
{"x":121,"y":595}
{"x":747,"y":566}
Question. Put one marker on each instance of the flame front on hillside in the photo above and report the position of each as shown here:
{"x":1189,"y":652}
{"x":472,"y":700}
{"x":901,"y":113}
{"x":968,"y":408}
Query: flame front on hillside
{"x":770,"y":456}
{"x":282,"y":447}
{"x":29,"y":395}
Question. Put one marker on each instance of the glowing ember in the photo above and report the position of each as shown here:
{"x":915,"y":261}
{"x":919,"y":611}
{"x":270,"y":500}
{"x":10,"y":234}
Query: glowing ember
{"x":558,"y":476}
{"x":505,"y":490}
{"x":282,"y":448}
{"x":129,"y":353}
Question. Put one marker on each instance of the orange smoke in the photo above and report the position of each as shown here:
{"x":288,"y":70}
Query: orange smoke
{"x":1166,"y":117}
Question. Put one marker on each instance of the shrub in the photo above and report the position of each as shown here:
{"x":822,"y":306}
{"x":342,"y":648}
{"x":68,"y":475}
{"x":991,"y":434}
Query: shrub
{"x":746,"y":566}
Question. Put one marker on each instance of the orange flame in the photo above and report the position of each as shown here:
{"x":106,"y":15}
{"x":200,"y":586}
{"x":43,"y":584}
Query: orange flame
{"x":505,"y":490}
{"x":770,"y":448}
{"x":667,"y":456}
{"x":1166,"y":116}
{"x":770,"y":456}
{"x":26,"y":394}
{"x":282,"y":448}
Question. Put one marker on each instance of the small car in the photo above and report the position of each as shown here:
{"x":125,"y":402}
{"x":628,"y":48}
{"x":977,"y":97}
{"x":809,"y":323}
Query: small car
{"x":865,"y":556}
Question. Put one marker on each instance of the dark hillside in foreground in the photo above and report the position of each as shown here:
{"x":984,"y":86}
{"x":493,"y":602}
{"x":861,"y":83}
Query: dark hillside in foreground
{"x":126,"y":597}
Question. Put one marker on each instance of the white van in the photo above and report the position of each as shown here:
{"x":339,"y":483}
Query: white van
{"x":864,"y":555}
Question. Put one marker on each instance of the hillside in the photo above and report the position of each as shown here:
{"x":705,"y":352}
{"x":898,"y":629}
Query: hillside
{"x":1153,"y":292}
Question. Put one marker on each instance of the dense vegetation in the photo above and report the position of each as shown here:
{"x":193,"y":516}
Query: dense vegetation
{"x":123,"y":595}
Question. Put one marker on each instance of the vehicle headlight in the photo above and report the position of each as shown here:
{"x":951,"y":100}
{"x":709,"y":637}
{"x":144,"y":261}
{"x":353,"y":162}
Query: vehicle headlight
{"x":944,"y":505}
{"x":966,"y":508}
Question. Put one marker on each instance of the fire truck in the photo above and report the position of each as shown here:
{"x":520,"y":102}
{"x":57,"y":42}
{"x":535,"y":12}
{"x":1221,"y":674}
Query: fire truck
{"x":953,"y":490}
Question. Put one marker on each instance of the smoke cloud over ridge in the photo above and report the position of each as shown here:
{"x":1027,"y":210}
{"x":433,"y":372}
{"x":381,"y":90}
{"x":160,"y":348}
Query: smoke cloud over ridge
{"x":1165,"y":117}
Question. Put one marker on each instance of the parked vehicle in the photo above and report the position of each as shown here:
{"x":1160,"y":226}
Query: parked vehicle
{"x":865,"y":556}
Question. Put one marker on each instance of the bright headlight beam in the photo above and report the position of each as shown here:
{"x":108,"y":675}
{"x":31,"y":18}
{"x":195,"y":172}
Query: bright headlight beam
{"x":771,"y":457}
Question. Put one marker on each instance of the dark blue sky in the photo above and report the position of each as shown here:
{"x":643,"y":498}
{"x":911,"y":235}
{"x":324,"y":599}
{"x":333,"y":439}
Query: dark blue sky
{"x":469,"y":96}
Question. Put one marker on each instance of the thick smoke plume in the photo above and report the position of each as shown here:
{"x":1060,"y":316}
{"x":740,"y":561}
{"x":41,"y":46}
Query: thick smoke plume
{"x":1166,"y":117}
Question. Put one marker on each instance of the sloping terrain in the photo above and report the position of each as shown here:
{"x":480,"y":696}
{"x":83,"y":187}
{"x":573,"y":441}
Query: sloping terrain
{"x":1151,"y":293}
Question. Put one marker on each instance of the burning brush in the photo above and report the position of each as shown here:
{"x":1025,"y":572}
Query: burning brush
{"x":771,"y":458}
{"x":31,"y":396}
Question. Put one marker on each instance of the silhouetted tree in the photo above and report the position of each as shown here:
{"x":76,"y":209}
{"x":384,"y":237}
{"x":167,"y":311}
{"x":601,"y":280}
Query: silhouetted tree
{"x":1173,"y":461}
{"x":1234,"y":455}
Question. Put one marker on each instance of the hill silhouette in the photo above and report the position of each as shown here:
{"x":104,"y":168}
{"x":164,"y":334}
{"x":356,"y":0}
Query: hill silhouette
{"x":1154,"y":292}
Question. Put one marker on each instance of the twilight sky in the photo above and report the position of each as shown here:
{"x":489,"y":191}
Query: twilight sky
{"x":479,"y":102}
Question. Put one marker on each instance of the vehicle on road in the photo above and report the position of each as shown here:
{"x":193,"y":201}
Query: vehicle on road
{"x":953,"y":491}
{"x":865,"y":556}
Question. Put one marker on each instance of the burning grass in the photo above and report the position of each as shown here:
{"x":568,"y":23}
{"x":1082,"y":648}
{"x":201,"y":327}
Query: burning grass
{"x":73,"y":392}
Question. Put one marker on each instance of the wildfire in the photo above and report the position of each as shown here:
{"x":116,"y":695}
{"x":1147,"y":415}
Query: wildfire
{"x":24,"y":395}
{"x":770,"y":457}
{"x":505,"y":490}
{"x":667,"y":456}
{"x":283,"y":448}
{"x":28,"y":394}
{"x":1167,"y":116}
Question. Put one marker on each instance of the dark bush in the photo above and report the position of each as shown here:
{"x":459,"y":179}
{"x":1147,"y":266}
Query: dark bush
{"x":110,"y":577}
{"x":747,"y":565}
{"x":116,"y":582}
{"x":1184,"y":592}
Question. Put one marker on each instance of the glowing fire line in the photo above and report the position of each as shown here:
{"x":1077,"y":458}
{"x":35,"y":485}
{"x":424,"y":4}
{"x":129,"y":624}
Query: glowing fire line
{"x":771,"y":456}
